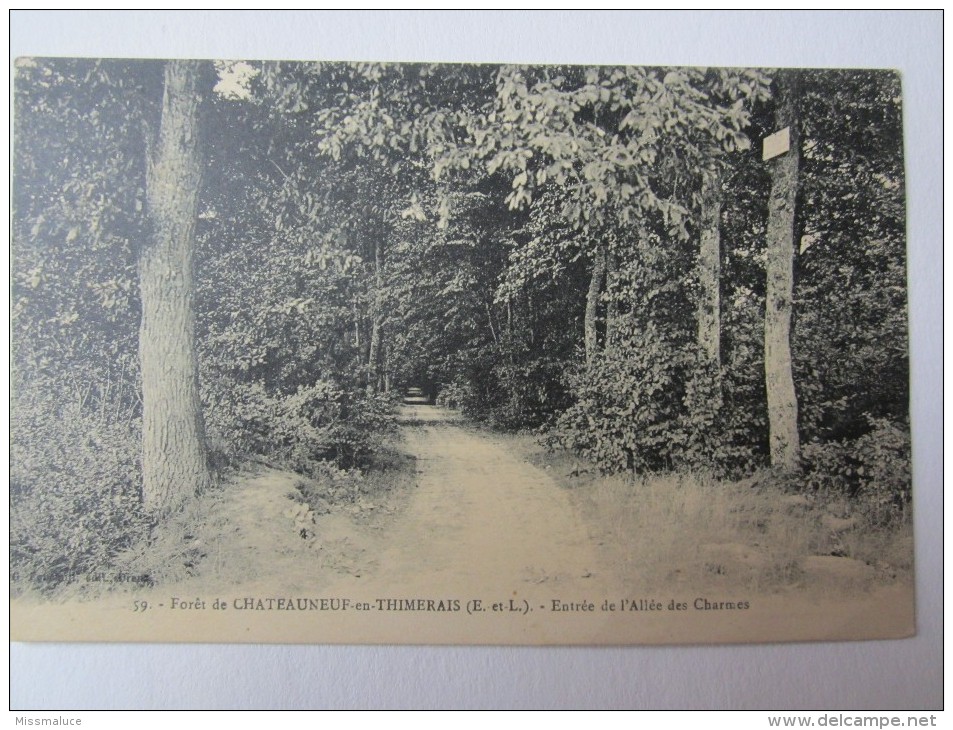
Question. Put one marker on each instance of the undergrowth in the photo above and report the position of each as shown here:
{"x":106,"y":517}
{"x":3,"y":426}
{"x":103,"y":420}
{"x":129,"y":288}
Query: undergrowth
{"x":689,"y":528}
{"x":77,"y":524}
{"x":74,"y":490}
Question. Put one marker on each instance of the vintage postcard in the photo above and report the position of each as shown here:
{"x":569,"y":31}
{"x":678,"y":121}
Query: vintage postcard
{"x":458,"y":354}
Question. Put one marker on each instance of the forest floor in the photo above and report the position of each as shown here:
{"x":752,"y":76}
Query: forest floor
{"x":468,"y":512}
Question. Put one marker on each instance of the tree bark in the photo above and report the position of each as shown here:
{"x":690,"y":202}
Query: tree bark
{"x":590,"y":325}
{"x":612,"y":306}
{"x":779,"y":380}
{"x":709,"y":279}
{"x":374,"y":354}
{"x":489,"y":319}
{"x":174,"y":463}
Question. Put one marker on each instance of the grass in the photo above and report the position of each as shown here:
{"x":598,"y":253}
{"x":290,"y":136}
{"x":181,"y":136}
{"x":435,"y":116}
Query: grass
{"x":691,"y":530}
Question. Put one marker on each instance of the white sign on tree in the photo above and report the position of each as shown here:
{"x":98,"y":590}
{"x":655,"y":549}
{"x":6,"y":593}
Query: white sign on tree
{"x":776,"y":144}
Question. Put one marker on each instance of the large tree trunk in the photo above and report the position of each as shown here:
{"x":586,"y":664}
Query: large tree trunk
{"x":779,"y":381}
{"x":709,"y":279}
{"x":590,"y":325}
{"x":174,"y":465}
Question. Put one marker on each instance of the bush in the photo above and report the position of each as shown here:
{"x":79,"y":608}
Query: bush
{"x":872,"y":470}
{"x":627,"y":407}
{"x":528,"y":393}
{"x":655,"y":406}
{"x":720,"y":428}
{"x":322,"y":422}
{"x":75,"y":482}
{"x":517,"y":398}
{"x":457,"y":394}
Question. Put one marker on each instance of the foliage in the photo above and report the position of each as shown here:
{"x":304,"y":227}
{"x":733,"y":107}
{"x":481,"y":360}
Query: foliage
{"x":77,"y":202}
{"x":77,"y":223}
{"x":626,"y":407}
{"x":322,"y":422}
{"x":873,"y":470}
{"x":74,"y":486}
{"x":603,"y":134}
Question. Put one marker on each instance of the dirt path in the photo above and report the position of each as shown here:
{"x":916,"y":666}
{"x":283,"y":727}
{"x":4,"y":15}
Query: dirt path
{"x":480,"y":519}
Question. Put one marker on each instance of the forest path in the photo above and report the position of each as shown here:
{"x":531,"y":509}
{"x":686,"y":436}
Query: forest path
{"x":480,"y":518}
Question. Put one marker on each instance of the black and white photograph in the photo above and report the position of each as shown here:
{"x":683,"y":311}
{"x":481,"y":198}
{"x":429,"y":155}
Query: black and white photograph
{"x":446,"y":353}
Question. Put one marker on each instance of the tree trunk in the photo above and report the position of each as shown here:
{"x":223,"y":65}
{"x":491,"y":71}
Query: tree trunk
{"x":779,"y":381}
{"x":489,"y":319}
{"x":374,"y":354}
{"x":174,"y":465}
{"x":612,"y":306}
{"x":590,"y":325}
{"x":709,"y":280}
